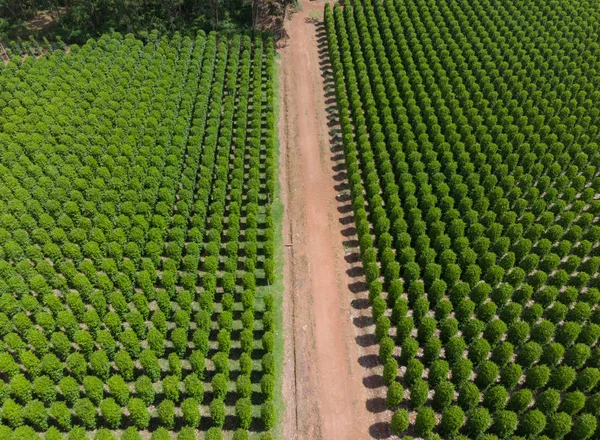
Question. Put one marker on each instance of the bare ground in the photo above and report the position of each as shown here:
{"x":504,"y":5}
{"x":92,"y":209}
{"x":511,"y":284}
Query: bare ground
{"x":332,"y":379}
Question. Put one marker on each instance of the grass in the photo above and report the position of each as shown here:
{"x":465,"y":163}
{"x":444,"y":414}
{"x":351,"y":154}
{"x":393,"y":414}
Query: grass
{"x":278,"y":288}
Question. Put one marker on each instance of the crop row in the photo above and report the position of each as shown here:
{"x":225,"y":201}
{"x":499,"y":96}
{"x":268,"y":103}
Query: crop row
{"x":471,"y":161}
{"x":136,"y":238}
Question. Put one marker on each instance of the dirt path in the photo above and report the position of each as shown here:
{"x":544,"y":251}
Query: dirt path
{"x":328,"y":386}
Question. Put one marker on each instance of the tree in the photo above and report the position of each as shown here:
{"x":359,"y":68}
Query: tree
{"x":425,"y":422}
{"x":139,"y":414}
{"x":479,"y":420}
{"x":400,"y":421}
{"x":452,"y":420}
{"x":395,"y":395}
{"x":166,"y":413}
{"x":111,"y":413}
{"x":243,"y":411}
{"x":85,"y":411}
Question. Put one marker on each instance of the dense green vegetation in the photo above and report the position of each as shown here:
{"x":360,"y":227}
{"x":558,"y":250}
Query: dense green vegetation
{"x":77,"y":20}
{"x":470,"y":137}
{"x":137,"y":241}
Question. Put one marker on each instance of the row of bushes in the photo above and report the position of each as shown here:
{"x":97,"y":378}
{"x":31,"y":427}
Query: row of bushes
{"x":454,"y":227}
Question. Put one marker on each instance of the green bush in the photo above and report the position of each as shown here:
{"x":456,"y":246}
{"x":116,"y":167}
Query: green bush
{"x":558,"y":425}
{"x":36,"y":415}
{"x":584,"y":427}
{"x":400,"y":421}
{"x":111,"y":413}
{"x":395,"y":395}
{"x":267,"y":415}
{"x":443,"y":396}
{"x":217,"y":413}
{"x":191,"y":412}
{"x":479,"y":420}
{"x":537,"y":376}
{"x":414,"y":371}
{"x":505,"y":423}
{"x":166,"y":413}
{"x":532,"y":423}
{"x":510,"y":375}
{"x":418,"y":394}
{"x":452,"y":421}
{"x":487,"y":374}
{"x":587,"y":379}
{"x":438,"y":372}
{"x":61,"y":415}
{"x":572,"y":402}
{"x":520,"y":401}
{"x":119,"y":389}
{"x":144,"y":389}
{"x":140,"y":417}
{"x":12,"y":413}
{"x":94,"y":389}
{"x":243,"y":411}
{"x":424,"y":422}
{"x":495,"y":398}
{"x":86,"y":413}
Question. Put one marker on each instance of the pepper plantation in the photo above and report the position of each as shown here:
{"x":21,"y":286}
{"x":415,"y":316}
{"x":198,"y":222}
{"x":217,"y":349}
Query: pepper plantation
{"x":137,"y":240}
{"x":470,"y":135}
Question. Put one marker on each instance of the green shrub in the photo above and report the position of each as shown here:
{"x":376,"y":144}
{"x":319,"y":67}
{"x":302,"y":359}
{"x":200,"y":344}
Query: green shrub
{"x":395,"y":395}
{"x":86,"y":413}
{"x":443,"y":396}
{"x":418,"y":394}
{"x":558,"y":425}
{"x":532,"y":423}
{"x":461,"y":372}
{"x":400,"y":421}
{"x":160,"y":434}
{"x":191,"y":412}
{"x":12,"y":413}
{"x":414,"y":371}
{"x":144,"y":389}
{"x":139,"y":415}
{"x":61,"y":415}
{"x":452,"y":421}
{"x":94,"y":389}
{"x":111,"y":412}
{"x":505,"y":423}
{"x":214,"y":433}
{"x":424,"y":422}
{"x":510,"y":375}
{"x":166,"y":413}
{"x":44,"y":389}
{"x":487,"y":374}
{"x":587,"y":379}
{"x":438,"y":372}
{"x":572,"y":402}
{"x":479,"y":420}
{"x":267,"y":415}
{"x":217,"y":412}
{"x":495,"y":398}
{"x":468,"y":396}
{"x":243,"y":411}
{"x":584,"y":427}
{"x":119,"y":389}
{"x":36,"y":415}
{"x":537,"y":376}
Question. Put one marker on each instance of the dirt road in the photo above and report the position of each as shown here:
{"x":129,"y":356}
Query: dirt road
{"x":325,"y":388}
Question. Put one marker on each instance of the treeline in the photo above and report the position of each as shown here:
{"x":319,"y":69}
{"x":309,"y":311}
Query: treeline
{"x":77,"y":20}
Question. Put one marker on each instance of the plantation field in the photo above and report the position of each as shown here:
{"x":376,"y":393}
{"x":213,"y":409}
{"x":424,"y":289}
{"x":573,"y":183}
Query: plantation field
{"x":137,"y":240}
{"x":470,"y":133}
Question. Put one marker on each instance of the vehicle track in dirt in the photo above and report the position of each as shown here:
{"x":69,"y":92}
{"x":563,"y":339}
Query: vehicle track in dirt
{"x":332,"y":384}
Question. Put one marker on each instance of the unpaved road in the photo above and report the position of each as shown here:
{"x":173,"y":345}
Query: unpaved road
{"x":324,"y":390}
